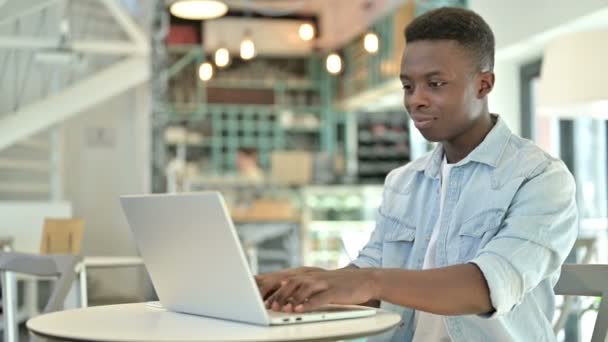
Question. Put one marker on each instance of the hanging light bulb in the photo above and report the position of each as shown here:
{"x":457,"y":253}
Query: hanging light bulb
{"x":205,"y":71}
{"x":370,"y":42}
{"x":222,"y":57}
{"x":198,"y":9}
{"x":306,"y":31}
{"x":247,"y":47}
{"x":333,"y":63}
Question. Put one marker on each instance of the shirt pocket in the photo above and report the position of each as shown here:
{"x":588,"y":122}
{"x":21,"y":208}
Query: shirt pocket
{"x":397,"y":243}
{"x":476,"y":231}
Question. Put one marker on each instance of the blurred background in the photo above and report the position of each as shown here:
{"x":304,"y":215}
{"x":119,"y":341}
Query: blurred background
{"x":291,"y":108}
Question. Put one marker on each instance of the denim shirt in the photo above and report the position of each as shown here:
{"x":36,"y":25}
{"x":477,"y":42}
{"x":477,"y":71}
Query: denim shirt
{"x":509,"y":208}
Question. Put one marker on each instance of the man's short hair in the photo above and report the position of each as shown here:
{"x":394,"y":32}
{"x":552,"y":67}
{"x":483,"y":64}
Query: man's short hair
{"x":248,"y":151}
{"x":464,"y":26}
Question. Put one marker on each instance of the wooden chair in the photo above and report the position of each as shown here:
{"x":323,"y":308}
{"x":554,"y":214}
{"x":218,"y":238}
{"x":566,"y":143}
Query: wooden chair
{"x":59,"y":254}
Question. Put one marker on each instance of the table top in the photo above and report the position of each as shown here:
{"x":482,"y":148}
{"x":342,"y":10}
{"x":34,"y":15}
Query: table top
{"x":139,"y":322}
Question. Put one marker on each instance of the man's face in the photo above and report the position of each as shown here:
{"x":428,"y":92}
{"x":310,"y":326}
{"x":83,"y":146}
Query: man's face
{"x":442,"y":91}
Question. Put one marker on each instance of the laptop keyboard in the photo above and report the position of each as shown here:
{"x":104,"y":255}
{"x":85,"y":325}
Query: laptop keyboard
{"x":323,"y":310}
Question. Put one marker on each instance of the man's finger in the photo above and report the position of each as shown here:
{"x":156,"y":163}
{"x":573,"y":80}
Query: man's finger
{"x":268,"y":288}
{"x":271,"y":298}
{"x":307,"y":290}
{"x":287,"y":290}
{"x":283,"y":294}
{"x":315,"y":302}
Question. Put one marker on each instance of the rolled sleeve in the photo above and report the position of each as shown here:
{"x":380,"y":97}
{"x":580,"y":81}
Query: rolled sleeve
{"x":535,"y":238}
{"x":497,"y":272}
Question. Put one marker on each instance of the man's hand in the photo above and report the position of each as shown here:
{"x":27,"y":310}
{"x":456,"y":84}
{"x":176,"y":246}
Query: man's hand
{"x":452,"y":290}
{"x":310,"y":290}
{"x":268,"y":283}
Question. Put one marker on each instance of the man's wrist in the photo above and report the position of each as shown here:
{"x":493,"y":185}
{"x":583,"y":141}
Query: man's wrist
{"x":376,"y":283}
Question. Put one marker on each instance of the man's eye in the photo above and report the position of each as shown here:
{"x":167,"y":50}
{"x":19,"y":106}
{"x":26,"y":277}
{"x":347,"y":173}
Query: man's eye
{"x":407,"y":87}
{"x":436,"y":84}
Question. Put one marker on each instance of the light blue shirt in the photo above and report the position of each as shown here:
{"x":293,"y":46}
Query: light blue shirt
{"x":509,"y":208}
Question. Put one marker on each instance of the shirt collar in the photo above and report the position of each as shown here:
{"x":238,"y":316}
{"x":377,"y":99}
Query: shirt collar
{"x":488,"y":152}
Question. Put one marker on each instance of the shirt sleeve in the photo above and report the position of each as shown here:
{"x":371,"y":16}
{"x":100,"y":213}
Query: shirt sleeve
{"x":536,"y":236}
{"x":371,"y":254}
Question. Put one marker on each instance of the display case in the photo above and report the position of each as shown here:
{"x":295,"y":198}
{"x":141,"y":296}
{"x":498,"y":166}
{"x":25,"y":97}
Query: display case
{"x":337,"y":222}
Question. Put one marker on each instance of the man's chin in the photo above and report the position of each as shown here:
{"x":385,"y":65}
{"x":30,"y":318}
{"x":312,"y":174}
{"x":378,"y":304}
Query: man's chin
{"x":431,"y":136}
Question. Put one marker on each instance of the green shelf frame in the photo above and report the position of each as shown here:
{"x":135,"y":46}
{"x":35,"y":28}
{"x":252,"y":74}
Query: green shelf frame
{"x":259,"y":126}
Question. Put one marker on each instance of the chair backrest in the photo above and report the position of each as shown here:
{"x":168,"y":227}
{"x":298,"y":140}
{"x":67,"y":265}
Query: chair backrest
{"x":587,"y":280}
{"x":22,"y":221}
{"x":6,"y":244}
{"x":60,"y":266}
{"x":61,"y":236}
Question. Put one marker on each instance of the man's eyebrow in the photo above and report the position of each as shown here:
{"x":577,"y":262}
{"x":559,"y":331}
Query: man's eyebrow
{"x":427,"y":75}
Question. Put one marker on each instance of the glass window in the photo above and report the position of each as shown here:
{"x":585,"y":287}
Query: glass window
{"x":587,"y":141}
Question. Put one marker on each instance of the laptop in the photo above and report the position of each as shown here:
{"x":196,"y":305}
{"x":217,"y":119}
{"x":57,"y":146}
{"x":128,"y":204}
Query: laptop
{"x":197,"y":265}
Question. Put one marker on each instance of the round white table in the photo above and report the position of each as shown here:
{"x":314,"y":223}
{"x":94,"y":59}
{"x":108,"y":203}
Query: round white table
{"x":139,"y":322}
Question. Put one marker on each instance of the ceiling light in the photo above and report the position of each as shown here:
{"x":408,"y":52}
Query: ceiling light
{"x":247,"y":48}
{"x":205,"y":71}
{"x":306,"y":31}
{"x":222,"y":57}
{"x":198,"y":9}
{"x":333,"y":64}
{"x":370,"y":42}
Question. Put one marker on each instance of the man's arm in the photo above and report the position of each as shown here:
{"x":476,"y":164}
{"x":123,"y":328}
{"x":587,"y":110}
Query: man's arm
{"x":454,"y":290}
{"x":373,"y":303}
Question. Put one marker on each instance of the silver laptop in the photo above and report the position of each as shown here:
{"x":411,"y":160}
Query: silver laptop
{"x":195,"y":260}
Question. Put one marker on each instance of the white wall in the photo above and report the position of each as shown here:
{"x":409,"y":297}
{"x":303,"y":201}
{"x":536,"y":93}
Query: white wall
{"x":23,"y":221}
{"x":97,"y":170}
{"x":504,"y":99}
{"x":516,"y":20}
{"x":522,"y":27}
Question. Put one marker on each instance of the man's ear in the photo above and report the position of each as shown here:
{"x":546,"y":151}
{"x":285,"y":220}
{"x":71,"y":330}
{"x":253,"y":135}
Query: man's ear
{"x":485,"y":83}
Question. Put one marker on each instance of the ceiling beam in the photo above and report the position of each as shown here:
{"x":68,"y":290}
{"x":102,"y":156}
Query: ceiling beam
{"x":91,"y":91}
{"x":15,"y":10}
{"x":102,"y":47}
{"x":133,"y":31}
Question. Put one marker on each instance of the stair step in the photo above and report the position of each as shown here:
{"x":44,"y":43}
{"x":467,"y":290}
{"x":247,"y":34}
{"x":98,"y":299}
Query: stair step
{"x":34,"y":144}
{"x":29,"y":187}
{"x":25,"y":165}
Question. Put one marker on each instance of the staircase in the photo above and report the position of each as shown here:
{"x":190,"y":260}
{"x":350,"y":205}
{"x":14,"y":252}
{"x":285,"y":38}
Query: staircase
{"x":25,"y":170}
{"x":41,"y":90}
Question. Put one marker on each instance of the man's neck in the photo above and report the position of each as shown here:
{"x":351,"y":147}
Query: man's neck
{"x":460,"y":147}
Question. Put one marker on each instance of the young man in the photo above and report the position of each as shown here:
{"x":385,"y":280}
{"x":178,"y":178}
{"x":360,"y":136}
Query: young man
{"x":470,"y":237}
{"x":247,"y":164}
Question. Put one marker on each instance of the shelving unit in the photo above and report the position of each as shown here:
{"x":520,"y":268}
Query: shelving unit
{"x":267,"y":104}
{"x":383,"y":144}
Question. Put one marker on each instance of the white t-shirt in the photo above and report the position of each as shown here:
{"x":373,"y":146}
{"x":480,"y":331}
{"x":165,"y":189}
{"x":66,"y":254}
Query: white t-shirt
{"x":431,"y":327}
